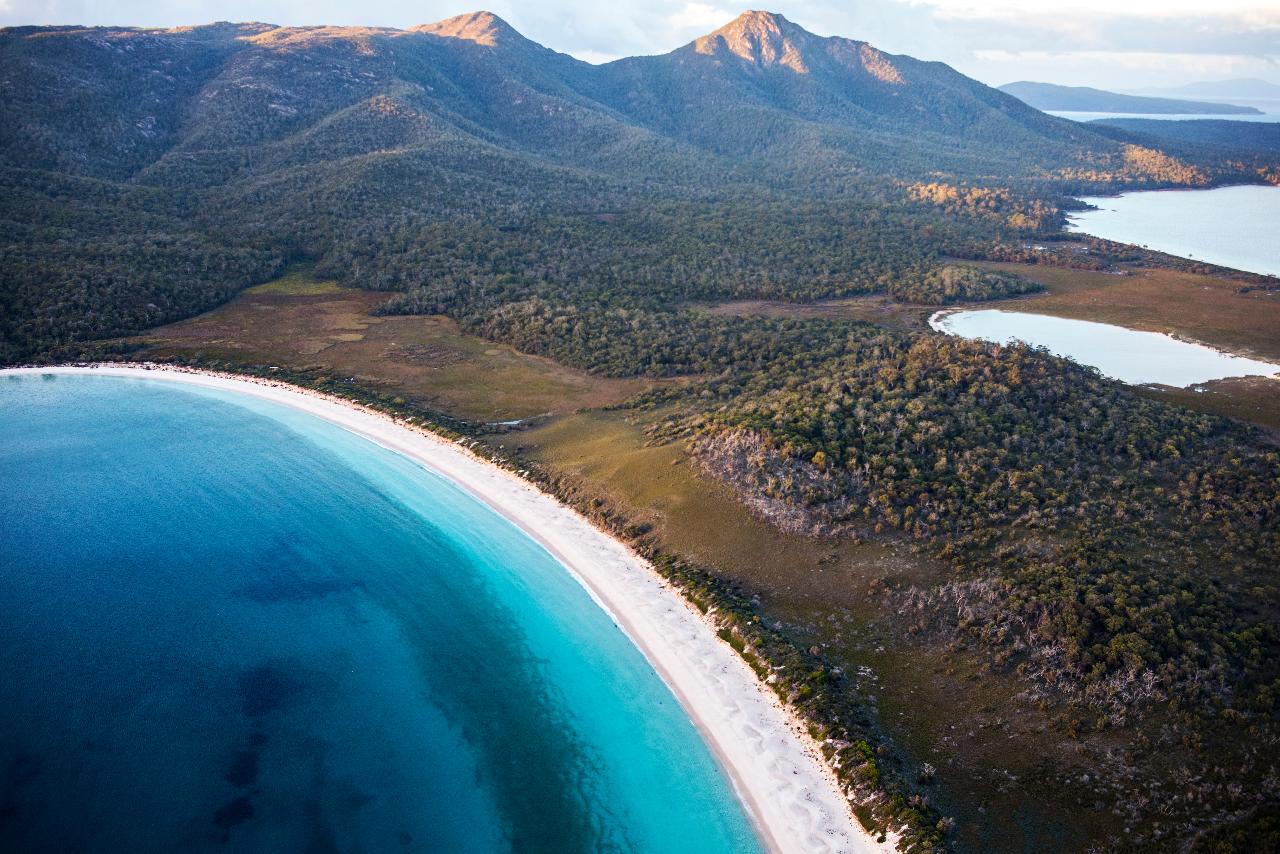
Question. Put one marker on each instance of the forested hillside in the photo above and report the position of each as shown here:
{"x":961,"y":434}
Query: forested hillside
{"x":1256,"y":144}
{"x":760,"y":160}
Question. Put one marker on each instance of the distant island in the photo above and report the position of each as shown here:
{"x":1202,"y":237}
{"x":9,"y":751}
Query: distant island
{"x":1242,"y":87}
{"x":1049,"y":96}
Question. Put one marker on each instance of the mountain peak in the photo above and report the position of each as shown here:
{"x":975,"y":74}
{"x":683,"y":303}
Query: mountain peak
{"x":482,"y":27}
{"x":758,"y":21}
{"x":761,"y":38}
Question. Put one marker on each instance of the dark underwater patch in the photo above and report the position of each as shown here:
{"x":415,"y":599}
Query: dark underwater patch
{"x":280,"y":575}
{"x":24,"y":768}
{"x":320,"y":836}
{"x":244,"y":769}
{"x":267,"y":689}
{"x":235,"y":812}
{"x":290,"y":588}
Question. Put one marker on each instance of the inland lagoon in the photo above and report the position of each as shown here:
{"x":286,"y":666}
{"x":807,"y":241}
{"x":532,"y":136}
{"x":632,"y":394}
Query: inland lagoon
{"x":1124,"y":354}
{"x":231,"y":625}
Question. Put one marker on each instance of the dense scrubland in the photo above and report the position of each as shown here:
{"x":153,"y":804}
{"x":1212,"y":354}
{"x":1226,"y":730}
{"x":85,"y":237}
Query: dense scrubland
{"x":1111,"y":555}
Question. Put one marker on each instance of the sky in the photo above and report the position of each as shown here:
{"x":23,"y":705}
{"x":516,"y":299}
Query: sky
{"x":1116,"y":44}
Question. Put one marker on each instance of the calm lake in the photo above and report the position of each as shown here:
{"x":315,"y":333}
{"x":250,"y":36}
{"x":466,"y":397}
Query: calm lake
{"x":1236,"y":227}
{"x":1123,"y":354}
{"x":230,"y":625}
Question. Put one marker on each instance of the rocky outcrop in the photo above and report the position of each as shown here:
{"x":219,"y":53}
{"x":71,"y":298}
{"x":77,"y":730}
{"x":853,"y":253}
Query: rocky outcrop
{"x":790,"y":493}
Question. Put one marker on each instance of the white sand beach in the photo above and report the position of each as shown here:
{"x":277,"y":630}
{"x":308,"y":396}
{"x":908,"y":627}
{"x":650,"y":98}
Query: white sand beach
{"x":792,"y":795}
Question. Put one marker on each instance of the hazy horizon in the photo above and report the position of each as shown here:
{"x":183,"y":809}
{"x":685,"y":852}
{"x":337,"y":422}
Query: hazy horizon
{"x":1079,"y":43}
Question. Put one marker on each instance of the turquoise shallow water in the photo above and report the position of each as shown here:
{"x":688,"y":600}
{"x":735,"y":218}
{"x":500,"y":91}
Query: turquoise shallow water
{"x":232,"y":626}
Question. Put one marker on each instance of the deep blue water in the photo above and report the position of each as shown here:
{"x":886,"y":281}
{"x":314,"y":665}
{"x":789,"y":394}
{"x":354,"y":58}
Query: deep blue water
{"x":227,"y":625}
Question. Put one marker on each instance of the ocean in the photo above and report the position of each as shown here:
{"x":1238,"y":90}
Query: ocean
{"x":230,"y":625}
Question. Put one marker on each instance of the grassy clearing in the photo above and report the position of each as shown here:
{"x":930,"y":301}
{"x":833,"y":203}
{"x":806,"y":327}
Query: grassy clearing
{"x":1187,"y":305}
{"x":1254,"y":399}
{"x":296,"y":282}
{"x":298,"y":323}
{"x":703,"y":521}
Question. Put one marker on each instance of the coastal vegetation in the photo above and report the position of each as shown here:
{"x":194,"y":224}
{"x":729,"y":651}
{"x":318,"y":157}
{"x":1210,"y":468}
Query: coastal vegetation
{"x":1098,"y":591}
{"x":1251,"y":143}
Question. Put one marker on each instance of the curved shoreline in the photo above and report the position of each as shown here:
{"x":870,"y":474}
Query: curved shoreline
{"x":1177,"y":245}
{"x":792,"y":796}
{"x":1256,"y":367}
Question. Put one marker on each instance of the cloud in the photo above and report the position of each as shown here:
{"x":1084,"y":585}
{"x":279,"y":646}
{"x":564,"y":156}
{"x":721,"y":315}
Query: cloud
{"x":595,"y":57}
{"x":1106,"y":43}
{"x":1208,"y":34}
{"x":1121,"y":68}
{"x":1130,"y":60}
{"x":700,"y":17}
{"x":1260,"y":10}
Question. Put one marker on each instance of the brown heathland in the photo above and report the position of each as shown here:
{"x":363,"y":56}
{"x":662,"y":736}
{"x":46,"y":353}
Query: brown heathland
{"x":298,"y":323}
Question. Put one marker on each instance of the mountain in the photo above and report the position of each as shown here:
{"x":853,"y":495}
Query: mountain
{"x":146,"y":174}
{"x":762,"y":84}
{"x":1048,"y":96}
{"x":1244,"y":87}
{"x":199,"y":100}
